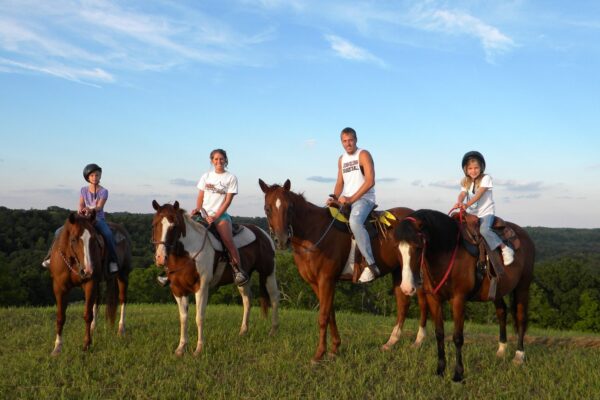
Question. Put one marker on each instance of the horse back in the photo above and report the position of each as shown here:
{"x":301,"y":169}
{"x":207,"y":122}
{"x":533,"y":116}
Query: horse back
{"x":260,"y":254}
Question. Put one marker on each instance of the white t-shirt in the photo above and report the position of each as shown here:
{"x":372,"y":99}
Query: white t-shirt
{"x":353,"y":176}
{"x":485,"y":205}
{"x":215,"y":187}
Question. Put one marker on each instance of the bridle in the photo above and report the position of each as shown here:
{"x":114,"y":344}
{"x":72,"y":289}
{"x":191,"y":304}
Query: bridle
{"x":424,"y":267}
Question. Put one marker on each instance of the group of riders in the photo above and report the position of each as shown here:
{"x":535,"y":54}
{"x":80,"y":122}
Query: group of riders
{"x":354,"y":189}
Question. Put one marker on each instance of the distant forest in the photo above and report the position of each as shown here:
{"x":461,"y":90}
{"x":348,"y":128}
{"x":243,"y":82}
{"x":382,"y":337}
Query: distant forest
{"x":565,"y":293}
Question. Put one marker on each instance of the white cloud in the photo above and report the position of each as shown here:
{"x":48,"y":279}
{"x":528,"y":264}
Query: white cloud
{"x":345,"y":49}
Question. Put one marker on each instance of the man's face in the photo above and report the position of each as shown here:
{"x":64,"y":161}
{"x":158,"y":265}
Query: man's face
{"x":349,"y":143}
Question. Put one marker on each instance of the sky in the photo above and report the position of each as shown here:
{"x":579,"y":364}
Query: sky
{"x":146,"y":89}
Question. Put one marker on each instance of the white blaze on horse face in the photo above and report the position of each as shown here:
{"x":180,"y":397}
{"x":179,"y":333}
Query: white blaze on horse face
{"x":161,"y":249}
{"x":278,"y":204}
{"x":87,"y":259}
{"x":408,"y":281}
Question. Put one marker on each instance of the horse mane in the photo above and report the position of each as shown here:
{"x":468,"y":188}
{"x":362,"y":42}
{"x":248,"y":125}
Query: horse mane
{"x":440,"y":229}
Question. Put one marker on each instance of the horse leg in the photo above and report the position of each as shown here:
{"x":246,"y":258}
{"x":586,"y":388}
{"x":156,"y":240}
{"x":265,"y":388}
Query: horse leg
{"x":201,"y":301}
{"x":437,"y":316}
{"x":336,"y":340}
{"x":423,"y":318}
{"x":122,"y":301}
{"x":91,"y":294}
{"x":325,"y":291}
{"x":182,"y":304}
{"x":458,"y":314}
{"x":273,"y":290}
{"x":94,"y":316}
{"x":61,"y":308}
{"x":501,"y":315}
{"x":246,"y":294}
{"x":520,"y":305}
{"x":402,"y":304}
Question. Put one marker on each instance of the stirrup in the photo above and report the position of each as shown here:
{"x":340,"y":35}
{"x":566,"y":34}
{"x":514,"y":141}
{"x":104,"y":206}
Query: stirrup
{"x":163,"y":280}
{"x":369,"y":274}
{"x":240,"y":278}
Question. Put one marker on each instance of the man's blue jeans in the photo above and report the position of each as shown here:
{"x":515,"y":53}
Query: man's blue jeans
{"x":359,"y":212}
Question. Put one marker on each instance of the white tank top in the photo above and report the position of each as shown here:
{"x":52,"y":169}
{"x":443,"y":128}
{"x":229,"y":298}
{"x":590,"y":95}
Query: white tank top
{"x":353,"y":176}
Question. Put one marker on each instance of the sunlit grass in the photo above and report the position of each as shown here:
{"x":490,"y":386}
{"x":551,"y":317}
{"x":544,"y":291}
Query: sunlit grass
{"x":142,"y":365}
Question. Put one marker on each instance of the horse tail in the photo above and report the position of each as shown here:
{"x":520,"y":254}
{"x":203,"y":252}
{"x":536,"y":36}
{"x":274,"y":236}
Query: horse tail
{"x":263,"y":296}
{"x":112,"y":298}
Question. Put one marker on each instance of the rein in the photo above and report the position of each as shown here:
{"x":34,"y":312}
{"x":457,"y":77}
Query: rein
{"x":423,"y":264}
{"x":314,"y":246}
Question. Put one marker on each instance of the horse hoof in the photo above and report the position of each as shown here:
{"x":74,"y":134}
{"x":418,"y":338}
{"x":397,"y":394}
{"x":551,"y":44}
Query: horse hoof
{"x":331,"y":355}
{"x":273,"y":331}
{"x":179,"y":353}
{"x":458,"y":378}
{"x":243,"y":332}
{"x":519,"y":358}
{"x":197,"y":353}
{"x":386,"y":347}
{"x":55,"y":353}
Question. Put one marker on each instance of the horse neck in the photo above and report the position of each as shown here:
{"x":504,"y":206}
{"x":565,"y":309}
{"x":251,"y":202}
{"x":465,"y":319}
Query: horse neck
{"x":196,"y":237}
{"x":310,"y":220}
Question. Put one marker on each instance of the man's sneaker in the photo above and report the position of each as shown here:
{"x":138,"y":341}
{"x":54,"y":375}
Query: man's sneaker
{"x":508,"y":255}
{"x":240,"y":278}
{"x":369,"y":274}
{"x":162,"y":280}
{"x":113,"y":267}
{"x":46,"y":263}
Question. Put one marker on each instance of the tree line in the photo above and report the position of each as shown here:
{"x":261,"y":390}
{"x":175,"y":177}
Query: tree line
{"x":565,"y":293}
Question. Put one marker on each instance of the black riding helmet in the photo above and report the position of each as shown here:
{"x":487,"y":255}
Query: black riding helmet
{"x":473,"y":155}
{"x":89,"y":169}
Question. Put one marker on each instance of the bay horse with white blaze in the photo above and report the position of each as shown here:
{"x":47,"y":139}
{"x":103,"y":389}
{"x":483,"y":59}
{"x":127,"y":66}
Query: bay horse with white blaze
{"x":78,"y":250}
{"x":193,"y":259}
{"x":432,"y":247}
{"x":321,"y":253}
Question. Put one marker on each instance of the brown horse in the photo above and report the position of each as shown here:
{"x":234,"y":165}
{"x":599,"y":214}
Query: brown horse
{"x":320,"y":254}
{"x":432,"y":247}
{"x":193,"y":260}
{"x":79,"y":248}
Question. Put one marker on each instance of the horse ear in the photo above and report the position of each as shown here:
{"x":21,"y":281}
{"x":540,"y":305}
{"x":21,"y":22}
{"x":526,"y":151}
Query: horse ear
{"x":287,"y":184}
{"x":155,"y":205}
{"x":263,"y":186}
{"x":176,"y":205}
{"x":72,"y":217}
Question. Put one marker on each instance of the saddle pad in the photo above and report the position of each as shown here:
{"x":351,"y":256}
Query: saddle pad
{"x":243,"y":238}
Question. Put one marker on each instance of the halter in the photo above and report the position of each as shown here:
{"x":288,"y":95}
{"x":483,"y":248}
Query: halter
{"x":424,"y":268}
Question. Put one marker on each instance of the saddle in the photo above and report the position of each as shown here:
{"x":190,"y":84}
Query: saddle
{"x":489,"y":262}
{"x":242,"y":236}
{"x":377,"y":223}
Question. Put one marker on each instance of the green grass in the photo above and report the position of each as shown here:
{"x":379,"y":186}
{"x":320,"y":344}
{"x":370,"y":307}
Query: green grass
{"x":142,"y":365}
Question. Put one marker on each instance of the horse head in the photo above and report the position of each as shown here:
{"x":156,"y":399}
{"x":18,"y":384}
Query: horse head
{"x":279,"y":209}
{"x":81,"y":244}
{"x":168,"y":226}
{"x":411,"y":243}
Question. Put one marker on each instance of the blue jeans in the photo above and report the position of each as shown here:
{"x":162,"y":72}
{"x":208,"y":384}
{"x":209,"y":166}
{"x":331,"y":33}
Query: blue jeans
{"x":485,"y":228}
{"x":102,"y":227}
{"x":359,"y":212}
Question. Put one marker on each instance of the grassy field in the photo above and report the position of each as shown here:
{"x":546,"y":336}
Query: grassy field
{"x":142,"y":365}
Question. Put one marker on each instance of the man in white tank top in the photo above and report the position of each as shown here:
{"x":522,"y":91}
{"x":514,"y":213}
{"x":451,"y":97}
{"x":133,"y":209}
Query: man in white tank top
{"x":355,"y":187}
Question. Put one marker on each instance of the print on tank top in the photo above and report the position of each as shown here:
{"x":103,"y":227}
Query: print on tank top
{"x":350,"y":166}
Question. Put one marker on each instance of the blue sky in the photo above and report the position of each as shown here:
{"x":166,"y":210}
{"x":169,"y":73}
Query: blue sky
{"x":147,"y":89}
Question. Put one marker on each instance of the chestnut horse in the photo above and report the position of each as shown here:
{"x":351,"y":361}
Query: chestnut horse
{"x":78,"y":248}
{"x":432,"y":248}
{"x":320,"y":253}
{"x":194,"y":265}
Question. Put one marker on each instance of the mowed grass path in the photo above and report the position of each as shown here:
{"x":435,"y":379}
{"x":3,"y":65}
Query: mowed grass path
{"x":142,"y":365}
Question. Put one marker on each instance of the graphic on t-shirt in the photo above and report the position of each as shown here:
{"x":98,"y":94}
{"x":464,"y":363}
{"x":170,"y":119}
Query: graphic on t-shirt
{"x":350,"y":166}
{"x":216,"y":188}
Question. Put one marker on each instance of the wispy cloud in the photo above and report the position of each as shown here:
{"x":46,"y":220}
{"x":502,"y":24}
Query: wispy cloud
{"x":321,"y":179}
{"x":182,"y":182}
{"x":451,"y":22}
{"x":310,"y":143}
{"x":445,"y":184}
{"x":515,"y":186}
{"x":93,"y":41}
{"x":386,"y":180}
{"x":345,"y":49}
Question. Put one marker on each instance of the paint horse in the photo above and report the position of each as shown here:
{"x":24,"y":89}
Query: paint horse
{"x":193,"y":258}
{"x":321,"y":253}
{"x":432,"y":247}
{"x":79,"y":257}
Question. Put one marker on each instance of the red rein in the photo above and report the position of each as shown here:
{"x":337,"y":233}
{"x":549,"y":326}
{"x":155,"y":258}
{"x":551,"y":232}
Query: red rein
{"x":450,"y":265}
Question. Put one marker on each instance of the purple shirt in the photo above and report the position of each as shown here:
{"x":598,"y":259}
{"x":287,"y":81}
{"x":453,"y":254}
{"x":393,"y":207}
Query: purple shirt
{"x":91,"y":199}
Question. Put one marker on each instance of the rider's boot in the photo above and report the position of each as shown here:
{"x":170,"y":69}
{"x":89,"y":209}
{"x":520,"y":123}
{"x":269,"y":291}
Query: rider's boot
{"x":369,"y":274}
{"x":239,"y":275}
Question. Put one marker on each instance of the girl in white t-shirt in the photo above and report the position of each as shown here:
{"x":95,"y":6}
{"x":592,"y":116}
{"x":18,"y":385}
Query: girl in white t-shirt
{"x":215,"y":192}
{"x":476,"y":198}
